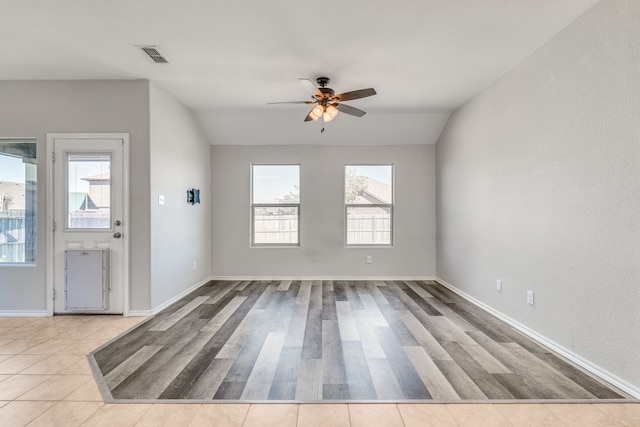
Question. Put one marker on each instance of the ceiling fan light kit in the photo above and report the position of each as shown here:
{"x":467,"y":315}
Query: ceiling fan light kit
{"x":328,"y":105}
{"x":316,"y":112}
{"x":327,"y":113}
{"x":330,"y":113}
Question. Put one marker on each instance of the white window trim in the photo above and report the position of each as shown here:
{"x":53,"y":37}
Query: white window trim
{"x":253,"y":207}
{"x":27,"y":140}
{"x":390,"y":206}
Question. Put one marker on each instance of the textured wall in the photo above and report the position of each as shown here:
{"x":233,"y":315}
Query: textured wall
{"x":322,"y":251}
{"x":180,"y":232}
{"x":539,"y":185}
{"x":35,"y":108}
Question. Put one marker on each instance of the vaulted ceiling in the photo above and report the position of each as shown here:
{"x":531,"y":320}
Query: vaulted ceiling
{"x":228,"y":58}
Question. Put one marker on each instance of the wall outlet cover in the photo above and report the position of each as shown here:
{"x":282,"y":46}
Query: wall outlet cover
{"x":530,"y":297}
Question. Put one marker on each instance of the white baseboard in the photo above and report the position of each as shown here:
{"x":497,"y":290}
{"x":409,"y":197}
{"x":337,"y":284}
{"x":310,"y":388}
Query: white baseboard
{"x":167,"y":303}
{"x":23,"y":313}
{"x":578,"y":360}
{"x":262,"y":278}
{"x":140,"y":313}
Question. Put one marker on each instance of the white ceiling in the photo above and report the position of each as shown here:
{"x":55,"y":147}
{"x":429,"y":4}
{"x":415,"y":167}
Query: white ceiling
{"x":228,"y":58}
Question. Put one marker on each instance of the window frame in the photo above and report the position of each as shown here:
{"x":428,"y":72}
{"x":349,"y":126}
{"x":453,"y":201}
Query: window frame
{"x":255,"y":206}
{"x":67,"y":212}
{"x":390,"y":206}
{"x":31,"y":256}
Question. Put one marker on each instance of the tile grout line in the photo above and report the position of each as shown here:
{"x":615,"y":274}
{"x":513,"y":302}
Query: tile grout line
{"x":404,"y":424}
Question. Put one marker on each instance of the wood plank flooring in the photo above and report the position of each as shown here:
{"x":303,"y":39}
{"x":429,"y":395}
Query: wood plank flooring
{"x":326,"y":340}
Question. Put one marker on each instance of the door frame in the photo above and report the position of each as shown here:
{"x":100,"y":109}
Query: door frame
{"x":51,"y":138}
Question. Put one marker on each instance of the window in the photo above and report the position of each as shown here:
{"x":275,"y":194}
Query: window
{"x":18,"y":200}
{"x":275,"y":205}
{"x":89,"y":191}
{"x":368,"y":198}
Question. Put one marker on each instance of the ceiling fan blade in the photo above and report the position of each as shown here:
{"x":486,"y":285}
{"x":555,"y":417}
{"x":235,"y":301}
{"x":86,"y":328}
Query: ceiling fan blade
{"x":310,"y":87}
{"x":291,"y":102}
{"x":348,"y":109}
{"x":356,"y":94}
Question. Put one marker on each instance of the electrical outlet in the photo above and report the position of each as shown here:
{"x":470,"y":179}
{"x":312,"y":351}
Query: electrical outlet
{"x":530,"y":297}
{"x":499,"y":285}
{"x":369,"y":259}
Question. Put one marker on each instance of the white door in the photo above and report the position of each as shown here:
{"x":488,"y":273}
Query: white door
{"x":88,"y":207}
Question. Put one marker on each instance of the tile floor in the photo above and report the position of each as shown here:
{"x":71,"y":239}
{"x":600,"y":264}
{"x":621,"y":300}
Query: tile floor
{"x":45,"y":380}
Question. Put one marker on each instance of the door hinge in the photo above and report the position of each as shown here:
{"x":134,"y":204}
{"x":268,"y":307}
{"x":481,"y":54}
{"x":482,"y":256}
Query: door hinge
{"x":53,"y":157}
{"x":54,"y":294}
{"x":53,"y":226}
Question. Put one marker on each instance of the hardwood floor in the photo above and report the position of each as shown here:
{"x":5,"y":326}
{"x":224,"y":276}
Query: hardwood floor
{"x":45,"y":380}
{"x":335,"y":341}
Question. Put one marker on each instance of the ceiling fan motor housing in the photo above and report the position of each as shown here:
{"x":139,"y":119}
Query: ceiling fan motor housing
{"x":323,"y":81}
{"x":327,"y":92}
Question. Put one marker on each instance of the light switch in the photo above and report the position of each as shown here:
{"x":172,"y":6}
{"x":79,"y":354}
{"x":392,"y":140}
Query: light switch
{"x":161,"y":199}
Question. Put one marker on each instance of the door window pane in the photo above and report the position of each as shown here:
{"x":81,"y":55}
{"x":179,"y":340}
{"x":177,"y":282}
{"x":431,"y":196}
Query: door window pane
{"x":18,"y":201}
{"x":89,"y":191}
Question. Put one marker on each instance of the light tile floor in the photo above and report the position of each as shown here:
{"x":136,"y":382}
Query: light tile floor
{"x":45,"y":380}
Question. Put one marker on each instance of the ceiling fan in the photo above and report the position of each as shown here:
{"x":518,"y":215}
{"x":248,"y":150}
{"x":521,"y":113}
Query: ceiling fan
{"x":328,"y":105}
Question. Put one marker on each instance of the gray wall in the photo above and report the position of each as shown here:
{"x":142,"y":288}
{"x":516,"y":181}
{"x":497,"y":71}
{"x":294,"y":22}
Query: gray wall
{"x":539,"y":185}
{"x":282,"y":125}
{"x":35,"y":108}
{"x":322,"y":251}
{"x":180,"y":233}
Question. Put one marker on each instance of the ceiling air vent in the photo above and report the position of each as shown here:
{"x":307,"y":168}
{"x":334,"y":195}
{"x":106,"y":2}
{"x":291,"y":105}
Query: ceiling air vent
{"x":154,"y":54}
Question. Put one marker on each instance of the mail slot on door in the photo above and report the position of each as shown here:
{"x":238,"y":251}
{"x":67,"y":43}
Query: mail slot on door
{"x":87,"y":280}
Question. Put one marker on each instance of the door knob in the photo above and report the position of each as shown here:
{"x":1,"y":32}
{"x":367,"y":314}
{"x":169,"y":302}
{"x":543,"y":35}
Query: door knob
{"x":117,"y":234}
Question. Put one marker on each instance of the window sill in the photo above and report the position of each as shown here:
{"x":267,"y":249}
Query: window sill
{"x":269,"y":246}
{"x":18,"y":264}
